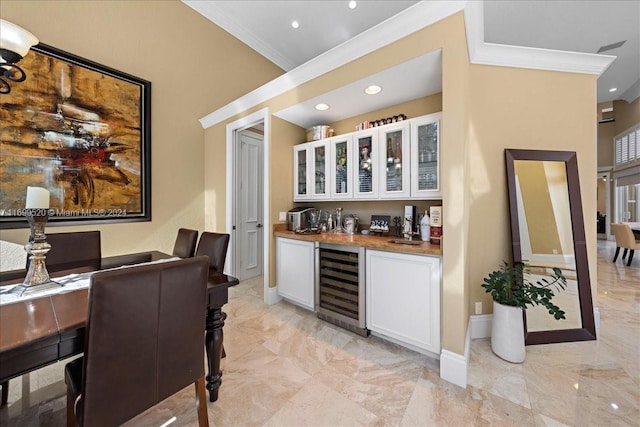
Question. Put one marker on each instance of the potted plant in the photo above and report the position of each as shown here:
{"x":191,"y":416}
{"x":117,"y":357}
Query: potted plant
{"x":512,"y":291}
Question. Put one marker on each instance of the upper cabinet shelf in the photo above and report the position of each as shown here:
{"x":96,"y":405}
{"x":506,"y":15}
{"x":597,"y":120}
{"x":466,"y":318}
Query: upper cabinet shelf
{"x":396,"y":161}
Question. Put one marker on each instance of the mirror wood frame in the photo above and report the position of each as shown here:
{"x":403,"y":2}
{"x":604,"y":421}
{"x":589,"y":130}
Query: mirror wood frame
{"x":588,"y":330}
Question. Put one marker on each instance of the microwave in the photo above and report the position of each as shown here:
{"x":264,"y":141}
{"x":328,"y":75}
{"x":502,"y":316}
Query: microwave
{"x":298,"y":218}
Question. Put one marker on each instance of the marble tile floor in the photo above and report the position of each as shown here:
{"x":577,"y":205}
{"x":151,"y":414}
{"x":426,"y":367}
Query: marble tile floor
{"x":285,"y":367}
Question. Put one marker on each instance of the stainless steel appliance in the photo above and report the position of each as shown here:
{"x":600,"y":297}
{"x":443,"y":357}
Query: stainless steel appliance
{"x":340,"y":287}
{"x":299,"y":219}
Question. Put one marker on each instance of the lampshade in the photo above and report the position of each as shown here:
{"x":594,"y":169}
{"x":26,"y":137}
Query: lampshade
{"x":15,"y":39}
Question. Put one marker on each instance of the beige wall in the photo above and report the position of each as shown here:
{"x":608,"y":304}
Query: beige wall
{"x":626,"y":115}
{"x":510,"y":110}
{"x":194,"y":68}
{"x":281,"y":176}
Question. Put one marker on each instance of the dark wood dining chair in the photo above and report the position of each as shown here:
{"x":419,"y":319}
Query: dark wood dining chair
{"x":185,"y":245}
{"x":143,"y":342}
{"x":214,"y":245}
{"x":78,"y":248}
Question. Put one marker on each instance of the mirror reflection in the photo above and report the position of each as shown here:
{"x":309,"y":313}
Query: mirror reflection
{"x":546,"y":237}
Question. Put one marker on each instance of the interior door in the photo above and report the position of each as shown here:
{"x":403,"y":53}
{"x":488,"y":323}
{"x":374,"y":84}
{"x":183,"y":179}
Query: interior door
{"x":249,"y":212}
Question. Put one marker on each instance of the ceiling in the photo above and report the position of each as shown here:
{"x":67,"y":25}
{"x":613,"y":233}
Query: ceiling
{"x":578,"y":26}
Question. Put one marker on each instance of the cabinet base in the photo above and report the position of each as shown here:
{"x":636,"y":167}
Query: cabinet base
{"x":348,"y":326}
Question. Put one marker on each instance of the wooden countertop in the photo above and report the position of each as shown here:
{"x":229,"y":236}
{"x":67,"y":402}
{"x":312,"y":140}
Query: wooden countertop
{"x":382,"y":243}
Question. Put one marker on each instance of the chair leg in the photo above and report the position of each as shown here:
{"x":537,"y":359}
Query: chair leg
{"x":624,"y":254}
{"x":224,"y":353}
{"x":201,"y":403}
{"x":630,"y":257}
{"x":71,"y":416}
{"x":615,"y":256}
{"x":5,"y":393}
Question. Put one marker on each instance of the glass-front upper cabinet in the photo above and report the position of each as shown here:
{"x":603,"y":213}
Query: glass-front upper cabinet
{"x":301,"y":167}
{"x":341,"y":167}
{"x":319,"y":174}
{"x":425,"y":155}
{"x":366,"y":168}
{"x":394,"y":161}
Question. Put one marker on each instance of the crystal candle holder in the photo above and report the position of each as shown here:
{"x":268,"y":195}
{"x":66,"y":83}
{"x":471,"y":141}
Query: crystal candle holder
{"x":37,"y":278}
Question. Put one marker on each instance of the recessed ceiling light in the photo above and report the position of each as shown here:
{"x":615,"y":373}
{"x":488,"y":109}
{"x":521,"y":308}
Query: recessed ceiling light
{"x":372,"y":90}
{"x":352,"y":4}
{"x":613,"y":89}
{"x":322,"y":107}
{"x":295,"y":24}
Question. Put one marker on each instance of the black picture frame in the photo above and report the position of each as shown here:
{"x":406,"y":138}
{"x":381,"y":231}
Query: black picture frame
{"x":81,"y":130}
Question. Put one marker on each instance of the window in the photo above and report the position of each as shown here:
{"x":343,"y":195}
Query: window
{"x":627,"y":147}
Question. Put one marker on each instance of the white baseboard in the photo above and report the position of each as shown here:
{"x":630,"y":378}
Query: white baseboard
{"x":271,"y":296}
{"x":453,"y":366}
{"x":480,"y":325}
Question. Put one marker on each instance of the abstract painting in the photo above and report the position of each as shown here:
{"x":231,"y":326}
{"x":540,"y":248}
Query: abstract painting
{"x":82,"y":131}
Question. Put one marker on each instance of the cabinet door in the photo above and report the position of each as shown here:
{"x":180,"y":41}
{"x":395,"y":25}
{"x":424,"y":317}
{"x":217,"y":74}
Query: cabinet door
{"x":341,"y":167}
{"x":295,"y":271}
{"x":301,"y":172}
{"x":365,"y":176}
{"x":394,"y":161}
{"x":425,"y":156}
{"x":403,"y":298}
{"x":319,"y":174}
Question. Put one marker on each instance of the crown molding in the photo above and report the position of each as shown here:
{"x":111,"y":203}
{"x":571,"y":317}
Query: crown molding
{"x":483,"y":53}
{"x":418,"y":16}
{"x":407,"y":22}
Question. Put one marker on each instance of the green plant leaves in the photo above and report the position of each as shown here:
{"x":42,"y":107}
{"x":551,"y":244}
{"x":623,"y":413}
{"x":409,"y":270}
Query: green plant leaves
{"x":510,"y":286}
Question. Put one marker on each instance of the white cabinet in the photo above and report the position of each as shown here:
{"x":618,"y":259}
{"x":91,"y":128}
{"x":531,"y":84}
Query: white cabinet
{"x":403,"y":298}
{"x":341,"y":167}
{"x":295,"y":271}
{"x":301,"y":167}
{"x":394,"y":163}
{"x":425,"y":156}
{"x":366,"y":172}
{"x":319,"y":172}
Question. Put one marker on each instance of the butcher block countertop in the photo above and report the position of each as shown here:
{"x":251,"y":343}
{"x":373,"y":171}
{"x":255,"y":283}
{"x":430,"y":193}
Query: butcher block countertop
{"x":371,"y":241}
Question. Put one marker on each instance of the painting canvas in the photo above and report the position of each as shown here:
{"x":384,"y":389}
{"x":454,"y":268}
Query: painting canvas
{"x":82,"y":131}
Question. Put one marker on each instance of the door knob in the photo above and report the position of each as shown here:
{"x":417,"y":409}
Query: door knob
{"x":259,"y":226}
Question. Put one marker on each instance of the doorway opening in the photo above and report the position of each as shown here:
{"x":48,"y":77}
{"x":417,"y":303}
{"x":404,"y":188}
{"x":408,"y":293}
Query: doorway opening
{"x":247,"y":198}
{"x":603,"y":186}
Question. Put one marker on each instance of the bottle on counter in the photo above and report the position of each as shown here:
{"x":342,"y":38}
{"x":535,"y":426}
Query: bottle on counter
{"x":425,"y":227}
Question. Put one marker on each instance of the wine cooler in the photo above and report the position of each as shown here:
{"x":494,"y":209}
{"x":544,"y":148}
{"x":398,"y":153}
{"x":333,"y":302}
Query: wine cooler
{"x":340,"y":287}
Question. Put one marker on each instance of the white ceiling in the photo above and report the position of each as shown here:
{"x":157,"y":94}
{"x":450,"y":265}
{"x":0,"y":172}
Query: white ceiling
{"x":578,"y":26}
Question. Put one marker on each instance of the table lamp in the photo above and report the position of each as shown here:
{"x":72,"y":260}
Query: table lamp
{"x":37,"y":213}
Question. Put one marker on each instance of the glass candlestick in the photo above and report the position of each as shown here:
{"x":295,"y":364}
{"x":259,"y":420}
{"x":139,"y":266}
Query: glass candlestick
{"x":37,"y":278}
{"x":338,"y":222}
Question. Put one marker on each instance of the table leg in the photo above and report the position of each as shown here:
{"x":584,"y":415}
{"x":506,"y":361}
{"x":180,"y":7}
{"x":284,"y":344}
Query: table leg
{"x":213,"y":345}
{"x":5,"y":393}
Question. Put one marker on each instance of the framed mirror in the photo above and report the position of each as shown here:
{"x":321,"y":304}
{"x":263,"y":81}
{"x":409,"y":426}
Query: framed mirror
{"x":547,"y":230}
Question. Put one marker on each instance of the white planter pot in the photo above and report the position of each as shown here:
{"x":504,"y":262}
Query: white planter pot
{"x":507,"y":333}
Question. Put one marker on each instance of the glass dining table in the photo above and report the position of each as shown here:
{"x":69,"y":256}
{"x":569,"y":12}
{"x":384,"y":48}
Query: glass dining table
{"x":44,"y":329}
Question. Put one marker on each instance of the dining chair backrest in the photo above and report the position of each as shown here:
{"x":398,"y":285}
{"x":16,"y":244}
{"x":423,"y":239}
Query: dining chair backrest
{"x":214,"y":245}
{"x":185,"y":245}
{"x":624,"y":236}
{"x":77,"y":248}
{"x":144,"y":339}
